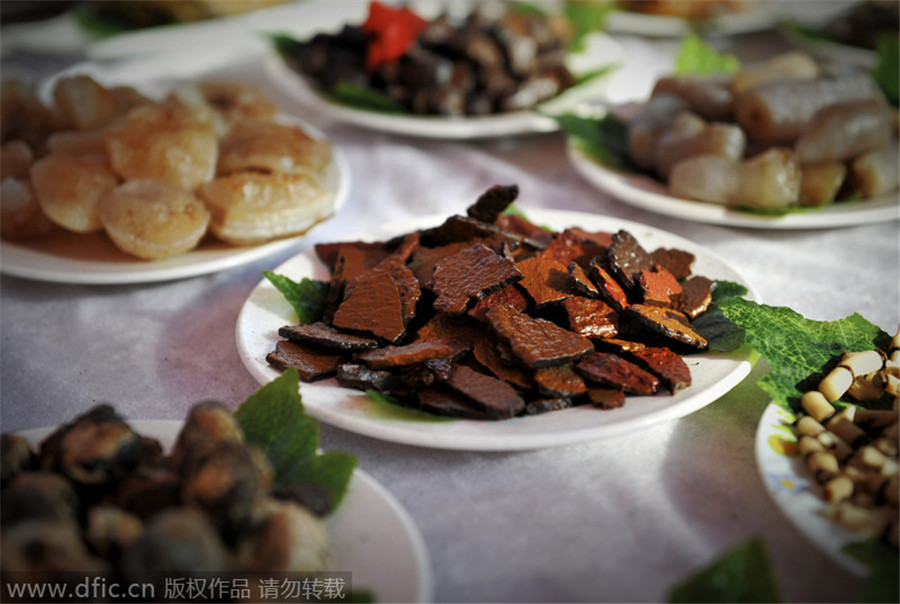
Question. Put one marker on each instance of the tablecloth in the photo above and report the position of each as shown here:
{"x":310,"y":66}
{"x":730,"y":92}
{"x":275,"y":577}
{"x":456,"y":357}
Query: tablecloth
{"x":616,"y":520}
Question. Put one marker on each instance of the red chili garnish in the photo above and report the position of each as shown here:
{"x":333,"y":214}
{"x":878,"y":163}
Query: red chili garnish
{"x":394,"y":30}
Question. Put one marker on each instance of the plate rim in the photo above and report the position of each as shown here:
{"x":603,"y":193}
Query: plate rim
{"x":799,"y":506}
{"x":165,"y":429}
{"x":618,"y":185}
{"x":262,"y":373}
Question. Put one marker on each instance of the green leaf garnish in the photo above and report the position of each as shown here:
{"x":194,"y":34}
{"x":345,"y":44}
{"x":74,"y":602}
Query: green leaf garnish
{"x":721,"y":334}
{"x":586,"y":16}
{"x":273,"y":418}
{"x":883,"y":562}
{"x":887,"y":72}
{"x":363,"y":97}
{"x":697,"y":57}
{"x":799,"y":351}
{"x":307,"y":297}
{"x":742,"y":574}
{"x":604,"y":139}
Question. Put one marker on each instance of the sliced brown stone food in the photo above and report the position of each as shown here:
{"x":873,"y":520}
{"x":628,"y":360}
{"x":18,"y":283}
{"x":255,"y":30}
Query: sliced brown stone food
{"x":380,"y":301}
{"x":601,"y":240}
{"x":668,"y":323}
{"x":607,"y":398}
{"x":621,"y":345}
{"x":491,"y":204}
{"x":425,"y":259}
{"x":667,"y":365}
{"x":545,"y":279}
{"x":472,"y":273}
{"x":359,"y":253}
{"x":559,"y":381}
{"x":696,"y":296}
{"x":312,"y":363}
{"x":326,"y":336}
{"x":511,"y":294}
{"x":465,"y":228}
{"x":442,"y":401}
{"x":497,"y":398}
{"x":519,"y":225}
{"x":591,"y":318}
{"x":625,"y":259}
{"x":581,"y":282}
{"x":659,"y":288}
{"x":678,"y":262}
{"x":609,"y":288}
{"x":543,"y":405}
{"x":362,"y":377}
{"x":419,"y":351}
{"x":537,"y":342}
{"x":612,"y":370}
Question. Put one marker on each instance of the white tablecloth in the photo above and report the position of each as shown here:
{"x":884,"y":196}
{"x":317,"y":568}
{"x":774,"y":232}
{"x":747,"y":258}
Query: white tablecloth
{"x":620,"y":520}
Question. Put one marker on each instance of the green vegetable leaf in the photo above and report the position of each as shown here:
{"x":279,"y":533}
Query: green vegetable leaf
{"x":605,"y":139}
{"x":586,"y":16}
{"x":721,"y":334}
{"x":742,"y":574}
{"x":286,"y":46}
{"x":273,"y":418}
{"x":887,"y":71}
{"x":697,"y":57}
{"x":883,"y":561}
{"x":799,"y":351}
{"x":307,"y":297}
{"x":363,"y":97}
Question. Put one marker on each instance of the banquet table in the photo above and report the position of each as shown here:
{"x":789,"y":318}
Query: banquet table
{"x":618,"y":519}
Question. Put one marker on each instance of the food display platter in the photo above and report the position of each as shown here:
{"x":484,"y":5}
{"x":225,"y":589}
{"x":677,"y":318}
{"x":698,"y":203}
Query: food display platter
{"x":600,"y":51}
{"x":793,"y":489}
{"x":373,"y":536}
{"x":713,"y":375}
{"x":643,"y":192}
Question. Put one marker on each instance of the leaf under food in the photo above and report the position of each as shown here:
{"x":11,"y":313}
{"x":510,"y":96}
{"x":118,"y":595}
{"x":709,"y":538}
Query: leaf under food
{"x":799,"y":351}
{"x":883,"y":562}
{"x":307,"y":297}
{"x":697,"y":57}
{"x":742,"y":574}
{"x":273,"y":418}
{"x":605,"y":138}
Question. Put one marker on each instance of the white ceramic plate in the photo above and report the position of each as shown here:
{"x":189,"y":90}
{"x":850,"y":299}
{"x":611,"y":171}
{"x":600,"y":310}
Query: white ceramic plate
{"x":373,"y":536}
{"x":65,"y":257}
{"x":644,"y":192}
{"x":794,"y":491}
{"x":265,"y":311}
{"x":758,"y":16}
{"x":601,"y":51}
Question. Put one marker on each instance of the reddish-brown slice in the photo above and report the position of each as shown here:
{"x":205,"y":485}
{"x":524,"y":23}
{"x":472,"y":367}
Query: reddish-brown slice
{"x":311,"y":363}
{"x":496,"y":397}
{"x":537,"y":342}
{"x":470,"y":274}
{"x":591,"y":318}
{"x":612,"y":370}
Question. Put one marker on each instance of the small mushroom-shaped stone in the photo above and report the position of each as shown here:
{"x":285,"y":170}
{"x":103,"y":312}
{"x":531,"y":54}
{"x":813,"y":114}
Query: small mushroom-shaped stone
{"x":38,"y":495}
{"x":290,"y":539}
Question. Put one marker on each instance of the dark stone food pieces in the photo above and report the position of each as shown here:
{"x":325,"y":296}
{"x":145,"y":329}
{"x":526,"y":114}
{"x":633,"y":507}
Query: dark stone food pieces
{"x":489,"y":318}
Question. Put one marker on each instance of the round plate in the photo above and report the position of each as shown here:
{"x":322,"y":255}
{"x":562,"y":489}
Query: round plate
{"x":794,"y":491}
{"x":601,"y":51}
{"x":644,"y":192}
{"x":66,"y":257}
{"x":759,"y":16}
{"x":265,"y":311}
{"x":373,"y":536}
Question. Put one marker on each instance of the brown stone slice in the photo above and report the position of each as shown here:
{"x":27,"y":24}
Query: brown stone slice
{"x":409,"y":354}
{"x":511,"y":294}
{"x":491,"y":204}
{"x":607,"y":398}
{"x":543,"y":405}
{"x":520,"y":225}
{"x":470,"y":274}
{"x":425,"y":259}
{"x":581,"y":282}
{"x":327,"y":336}
{"x":362,"y":254}
{"x":372,"y":303}
{"x":677,"y":262}
{"x":591,"y":318}
{"x":659,"y":287}
{"x":537,"y":342}
{"x":545,"y":279}
{"x":312,"y":363}
{"x":669,"y":323}
{"x":609,"y":288}
{"x":667,"y":365}
{"x":495,"y":396}
{"x":559,"y":381}
{"x":447,"y":402}
{"x":696,"y":296}
{"x":625,"y":259}
{"x":612,"y":370}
